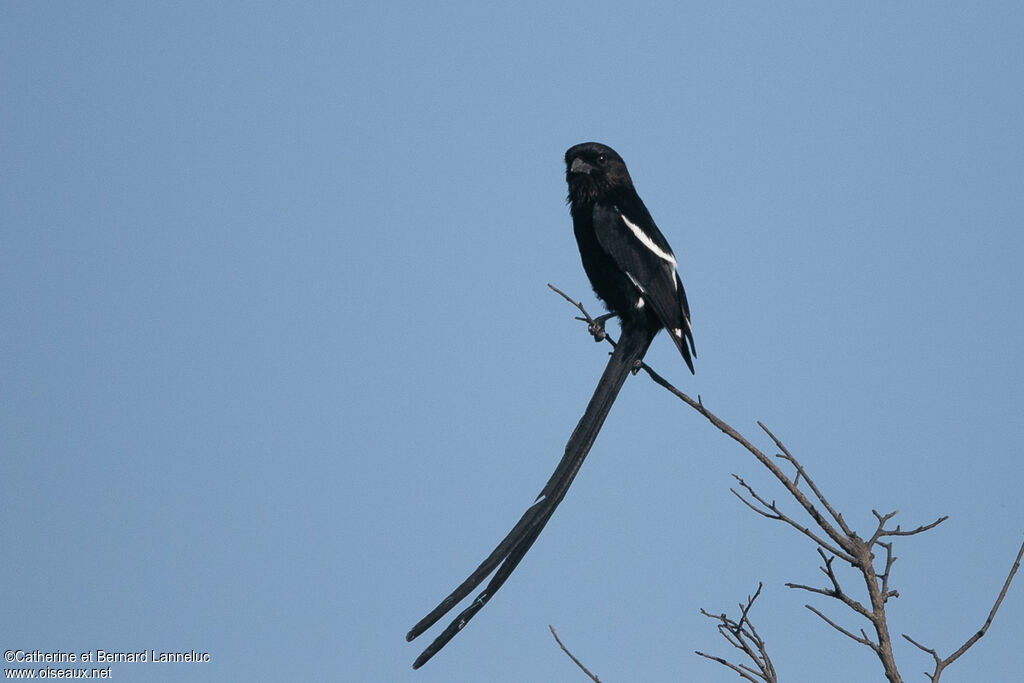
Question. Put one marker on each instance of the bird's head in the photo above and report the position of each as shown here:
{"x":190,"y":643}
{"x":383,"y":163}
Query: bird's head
{"x":592,"y":170}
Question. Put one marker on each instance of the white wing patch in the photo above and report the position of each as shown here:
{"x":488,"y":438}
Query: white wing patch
{"x":636,"y":283}
{"x":648,"y":242}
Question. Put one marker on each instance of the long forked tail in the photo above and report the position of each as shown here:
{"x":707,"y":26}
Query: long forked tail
{"x":632,"y":346}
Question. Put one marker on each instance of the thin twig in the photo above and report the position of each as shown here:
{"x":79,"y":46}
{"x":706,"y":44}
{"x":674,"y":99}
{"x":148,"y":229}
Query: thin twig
{"x":566,"y":650}
{"x":743,"y":636}
{"x":577,"y":304}
{"x":862,"y":638}
{"x":941,"y":664}
{"x":726,"y":663}
{"x":801,"y":473}
{"x":777,"y":514}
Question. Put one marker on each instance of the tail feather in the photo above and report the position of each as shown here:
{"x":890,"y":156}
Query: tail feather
{"x":683,"y":339}
{"x":632,"y":345}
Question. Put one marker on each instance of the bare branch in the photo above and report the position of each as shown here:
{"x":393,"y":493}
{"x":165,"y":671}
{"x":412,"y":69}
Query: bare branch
{"x":938,"y":662}
{"x":800,"y":472}
{"x":769,"y":514}
{"x":577,"y":304}
{"x":889,"y":560}
{"x":836,"y":591}
{"x":899,"y":532}
{"x":777,"y":514}
{"x":941,"y":664}
{"x":724,"y":662}
{"x":839,"y":540}
{"x":837,"y":536}
{"x":862,"y":638}
{"x":559,"y":640}
{"x":750,"y":603}
{"x":743,"y":636}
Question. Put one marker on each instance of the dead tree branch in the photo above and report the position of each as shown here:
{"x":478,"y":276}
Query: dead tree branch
{"x":940,"y":663}
{"x":832,"y":536}
{"x":744,"y":637}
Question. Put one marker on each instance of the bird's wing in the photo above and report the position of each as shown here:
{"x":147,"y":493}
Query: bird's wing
{"x":629,"y":235}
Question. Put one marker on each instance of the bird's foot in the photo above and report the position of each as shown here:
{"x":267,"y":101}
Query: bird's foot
{"x":596,"y":327}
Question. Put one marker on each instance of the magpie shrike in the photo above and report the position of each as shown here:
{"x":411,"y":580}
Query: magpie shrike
{"x":633,"y":270}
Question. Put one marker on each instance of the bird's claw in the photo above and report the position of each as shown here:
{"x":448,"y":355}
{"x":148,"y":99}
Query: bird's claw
{"x":596,"y":327}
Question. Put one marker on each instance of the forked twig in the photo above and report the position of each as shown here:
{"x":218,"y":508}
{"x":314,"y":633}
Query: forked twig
{"x":744,"y":637}
{"x":940,"y":663}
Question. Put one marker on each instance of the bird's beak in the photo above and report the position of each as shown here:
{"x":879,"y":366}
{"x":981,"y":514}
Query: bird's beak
{"x":580,"y":166}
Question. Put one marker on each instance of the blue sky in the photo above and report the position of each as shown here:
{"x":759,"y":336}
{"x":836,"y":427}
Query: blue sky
{"x":278,"y":365}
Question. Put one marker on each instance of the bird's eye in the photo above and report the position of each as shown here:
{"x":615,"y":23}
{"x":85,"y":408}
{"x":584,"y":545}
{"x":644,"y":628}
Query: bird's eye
{"x":602,"y":159}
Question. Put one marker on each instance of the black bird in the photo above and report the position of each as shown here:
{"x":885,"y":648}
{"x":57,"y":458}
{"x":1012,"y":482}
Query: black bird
{"x":633,"y":270}
{"x":627,"y":259}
